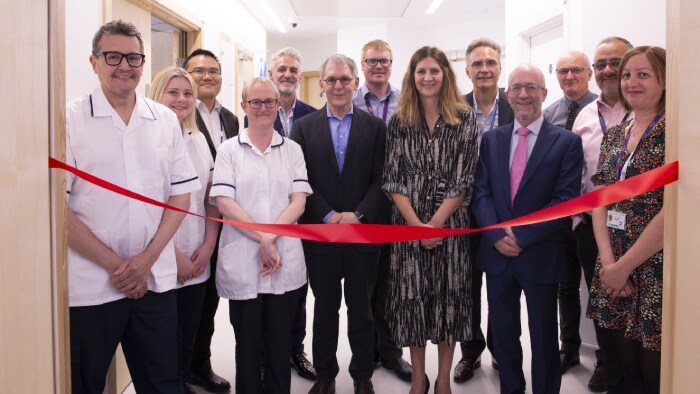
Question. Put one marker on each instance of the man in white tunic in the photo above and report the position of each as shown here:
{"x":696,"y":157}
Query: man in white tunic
{"x":121,"y":260}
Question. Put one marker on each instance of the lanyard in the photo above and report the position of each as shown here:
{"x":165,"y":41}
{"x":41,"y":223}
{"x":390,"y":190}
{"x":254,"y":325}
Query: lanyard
{"x":386,"y":107}
{"x":495,"y":112}
{"x":620,"y":155}
{"x":604,"y":127}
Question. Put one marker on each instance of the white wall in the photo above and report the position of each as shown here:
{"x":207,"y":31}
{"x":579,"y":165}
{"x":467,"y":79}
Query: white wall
{"x":313,"y":52}
{"x":83,"y":18}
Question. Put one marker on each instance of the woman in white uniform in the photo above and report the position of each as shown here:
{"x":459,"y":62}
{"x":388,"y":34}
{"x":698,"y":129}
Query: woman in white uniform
{"x":260,"y":177}
{"x":196,"y":238}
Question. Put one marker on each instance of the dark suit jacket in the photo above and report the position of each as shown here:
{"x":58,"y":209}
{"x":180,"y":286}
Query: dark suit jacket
{"x":505,"y":112}
{"x":552,"y":175}
{"x":358,"y":187}
{"x":301,"y":109}
{"x":227,"y":118}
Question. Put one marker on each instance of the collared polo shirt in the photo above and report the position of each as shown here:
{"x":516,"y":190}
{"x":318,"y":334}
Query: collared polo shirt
{"x":261,"y":183}
{"x":146,"y":156}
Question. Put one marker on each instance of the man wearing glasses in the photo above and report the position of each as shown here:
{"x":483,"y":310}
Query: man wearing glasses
{"x":344,"y":151}
{"x":217,"y":124}
{"x":380,"y":99}
{"x":523,"y":167}
{"x":121,"y":259}
{"x":573,"y":73}
{"x":492,"y":110}
{"x":591,"y":124}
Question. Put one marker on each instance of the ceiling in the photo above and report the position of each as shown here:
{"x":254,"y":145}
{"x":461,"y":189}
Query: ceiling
{"x":316,"y":18}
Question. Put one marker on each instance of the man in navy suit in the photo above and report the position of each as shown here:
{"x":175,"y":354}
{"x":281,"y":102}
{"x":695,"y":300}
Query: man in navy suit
{"x":525,"y":167}
{"x":344,"y":151}
{"x":491,"y":107}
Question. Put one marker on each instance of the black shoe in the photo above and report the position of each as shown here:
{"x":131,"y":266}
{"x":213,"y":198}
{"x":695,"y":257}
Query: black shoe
{"x":400,"y":367}
{"x":598,"y":382}
{"x":494,"y":363}
{"x":363,"y":386}
{"x":187,"y":389}
{"x":464,"y":370}
{"x":303,"y":366}
{"x":568,"y":360}
{"x":323,"y":386}
{"x":210,"y":381}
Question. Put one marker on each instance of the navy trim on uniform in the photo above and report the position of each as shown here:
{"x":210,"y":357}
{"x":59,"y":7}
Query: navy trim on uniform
{"x":301,"y":180}
{"x":224,"y":184}
{"x":211,"y":169}
{"x":185,"y":181}
{"x":278,"y":145}
{"x":149,"y":108}
{"x":92,"y":113}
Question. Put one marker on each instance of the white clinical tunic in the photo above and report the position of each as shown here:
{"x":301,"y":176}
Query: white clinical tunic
{"x":148,"y":157}
{"x":261,"y":183}
{"x":190,"y":235}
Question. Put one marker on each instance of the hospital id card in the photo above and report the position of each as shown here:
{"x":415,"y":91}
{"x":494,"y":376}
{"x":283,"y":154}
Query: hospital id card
{"x":616,"y":219}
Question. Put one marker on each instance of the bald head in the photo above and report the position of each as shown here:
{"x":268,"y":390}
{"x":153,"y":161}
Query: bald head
{"x":573,"y":73}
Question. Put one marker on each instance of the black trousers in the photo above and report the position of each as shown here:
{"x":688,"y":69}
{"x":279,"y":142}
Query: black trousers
{"x":147,"y":330}
{"x":358,"y":273}
{"x":569,"y":295}
{"x":263,"y":323}
{"x":472,"y":349}
{"x":190,"y":300}
{"x":385,"y":348}
{"x":587,"y":251}
{"x":299,"y":322}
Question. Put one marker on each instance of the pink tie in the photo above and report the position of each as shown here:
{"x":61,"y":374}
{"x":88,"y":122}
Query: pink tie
{"x":519,"y":161}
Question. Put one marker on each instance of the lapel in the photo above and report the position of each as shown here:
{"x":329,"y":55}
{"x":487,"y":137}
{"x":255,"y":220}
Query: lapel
{"x":325,"y":139}
{"x":505,"y":113}
{"x":544,"y":143}
{"x":503,"y":157}
{"x":203,"y":128}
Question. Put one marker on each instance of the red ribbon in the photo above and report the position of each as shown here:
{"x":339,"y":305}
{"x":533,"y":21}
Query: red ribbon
{"x":384,"y":233}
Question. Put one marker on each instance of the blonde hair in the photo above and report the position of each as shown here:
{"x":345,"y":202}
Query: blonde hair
{"x":259,"y":81}
{"x":379,"y":45}
{"x":160,"y":82}
{"x":450,"y":102}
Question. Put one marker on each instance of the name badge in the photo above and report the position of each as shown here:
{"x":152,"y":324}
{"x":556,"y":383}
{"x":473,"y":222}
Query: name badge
{"x":616,"y":220}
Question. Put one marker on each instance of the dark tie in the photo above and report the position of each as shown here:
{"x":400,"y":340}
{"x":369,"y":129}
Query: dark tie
{"x":573,"y":111}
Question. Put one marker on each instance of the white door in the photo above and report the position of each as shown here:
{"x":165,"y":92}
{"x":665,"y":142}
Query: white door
{"x":545,"y":49}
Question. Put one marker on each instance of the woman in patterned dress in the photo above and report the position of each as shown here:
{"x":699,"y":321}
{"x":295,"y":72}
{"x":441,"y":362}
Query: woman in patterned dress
{"x":626,"y":289}
{"x":431,"y":155}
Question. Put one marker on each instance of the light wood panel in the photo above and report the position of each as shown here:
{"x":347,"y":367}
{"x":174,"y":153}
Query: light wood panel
{"x":681,"y":316}
{"x":26,"y":318}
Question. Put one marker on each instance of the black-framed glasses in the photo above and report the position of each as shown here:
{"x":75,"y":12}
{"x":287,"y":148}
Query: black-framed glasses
{"x":201,"y":71}
{"x":600,"y":65}
{"x":113,"y":58}
{"x":574,"y":70}
{"x":332,"y":81}
{"x":256,"y":104}
{"x":374,"y":62}
{"x":530,"y":89}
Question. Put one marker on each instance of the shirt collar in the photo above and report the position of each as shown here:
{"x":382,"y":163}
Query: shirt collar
{"x":476,"y":108}
{"x":364,"y":91}
{"x":203,"y":107}
{"x":102,"y":108}
{"x":330,"y":115}
{"x":534,"y":127}
{"x":277,"y":139}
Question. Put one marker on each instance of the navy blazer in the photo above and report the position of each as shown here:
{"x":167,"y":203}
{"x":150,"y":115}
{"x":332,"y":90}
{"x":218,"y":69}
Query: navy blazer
{"x":505,"y":112}
{"x":552,"y":175}
{"x":301,"y":109}
{"x":358,"y":188}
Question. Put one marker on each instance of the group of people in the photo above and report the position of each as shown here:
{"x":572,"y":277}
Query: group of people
{"x":422,"y":155}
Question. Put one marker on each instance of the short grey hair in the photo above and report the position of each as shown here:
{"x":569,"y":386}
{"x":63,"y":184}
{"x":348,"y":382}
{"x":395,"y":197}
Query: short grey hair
{"x":287,"y":51}
{"x":531,"y":67}
{"x":610,"y":39}
{"x":259,"y":81}
{"x":339,"y":59}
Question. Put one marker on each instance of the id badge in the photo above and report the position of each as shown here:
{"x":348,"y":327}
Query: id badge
{"x":616,"y":219}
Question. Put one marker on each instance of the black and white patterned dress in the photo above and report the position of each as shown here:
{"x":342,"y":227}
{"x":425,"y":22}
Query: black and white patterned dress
{"x":429,"y":291}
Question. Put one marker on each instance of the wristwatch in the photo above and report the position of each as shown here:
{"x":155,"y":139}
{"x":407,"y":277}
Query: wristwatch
{"x":360,"y":217}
